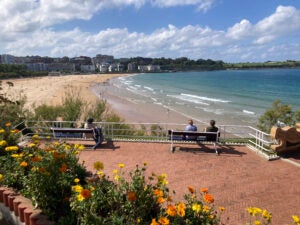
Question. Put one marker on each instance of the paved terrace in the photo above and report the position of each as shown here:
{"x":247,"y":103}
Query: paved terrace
{"x":238,"y":177}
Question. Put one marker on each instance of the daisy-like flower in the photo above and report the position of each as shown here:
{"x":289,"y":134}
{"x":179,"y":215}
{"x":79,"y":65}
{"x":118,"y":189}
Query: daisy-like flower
{"x":76,"y":180}
{"x":208,"y":198}
{"x":171,"y":210}
{"x":121,"y":165}
{"x":23,"y":164}
{"x":98,"y":165}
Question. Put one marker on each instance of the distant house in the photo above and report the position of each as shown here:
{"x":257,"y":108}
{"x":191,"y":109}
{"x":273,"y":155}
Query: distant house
{"x":149,"y":68}
{"x":131,"y":67}
{"x":116,"y":67}
{"x":87,"y":68}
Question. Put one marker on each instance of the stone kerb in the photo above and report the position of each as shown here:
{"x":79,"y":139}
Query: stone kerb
{"x":18,"y":210}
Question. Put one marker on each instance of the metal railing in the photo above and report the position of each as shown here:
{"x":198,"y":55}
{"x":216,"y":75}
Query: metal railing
{"x":158,"y":132}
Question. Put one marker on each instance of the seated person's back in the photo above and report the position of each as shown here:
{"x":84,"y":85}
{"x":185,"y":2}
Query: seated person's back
{"x":211,"y":128}
{"x":190,"y":127}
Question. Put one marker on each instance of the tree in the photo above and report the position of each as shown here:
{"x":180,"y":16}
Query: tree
{"x":279,"y":113}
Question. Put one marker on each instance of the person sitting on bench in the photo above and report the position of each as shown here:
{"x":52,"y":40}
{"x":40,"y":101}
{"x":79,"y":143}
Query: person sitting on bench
{"x":190,"y":127}
{"x":212,"y":127}
{"x":97,"y":133}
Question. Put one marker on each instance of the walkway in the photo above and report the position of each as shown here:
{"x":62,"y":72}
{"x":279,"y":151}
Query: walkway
{"x":238,"y":177}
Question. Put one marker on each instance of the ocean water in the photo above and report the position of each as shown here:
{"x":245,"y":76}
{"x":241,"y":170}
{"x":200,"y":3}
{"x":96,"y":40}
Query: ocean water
{"x":236,"y":97}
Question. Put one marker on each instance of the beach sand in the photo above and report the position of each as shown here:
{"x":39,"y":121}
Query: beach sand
{"x":50,"y":90}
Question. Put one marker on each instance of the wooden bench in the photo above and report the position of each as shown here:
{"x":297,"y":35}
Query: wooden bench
{"x":193,"y":136}
{"x":70,"y":132}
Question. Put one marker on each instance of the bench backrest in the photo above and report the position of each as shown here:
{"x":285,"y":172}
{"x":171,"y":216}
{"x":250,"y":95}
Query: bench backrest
{"x":71,"y":130}
{"x":208,"y":136}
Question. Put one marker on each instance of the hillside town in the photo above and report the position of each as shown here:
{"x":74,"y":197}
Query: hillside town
{"x":99,"y":63}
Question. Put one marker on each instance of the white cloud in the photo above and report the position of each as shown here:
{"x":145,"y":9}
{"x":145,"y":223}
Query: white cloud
{"x":203,"y":5}
{"x":285,"y":20}
{"x":30,"y":31}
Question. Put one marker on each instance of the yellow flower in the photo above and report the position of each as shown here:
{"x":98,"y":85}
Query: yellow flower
{"x":2,"y":131}
{"x":81,"y":148}
{"x":98,"y":165}
{"x":11,"y":148}
{"x":266,"y":215}
{"x":35,"y":136}
{"x":253,"y":211}
{"x":80,"y":198}
{"x":1,"y":177}
{"x":206,"y":208}
{"x":117,"y":177}
{"x":16,"y":155}
{"x":76,"y":180}
{"x":164,"y":220}
{"x":77,"y":188}
{"x":121,"y":165}
{"x":171,"y":210}
{"x":3,"y":143}
{"x":31,"y":145}
{"x":257,"y":222}
{"x":211,"y":216}
{"x":196,"y":207}
{"x":296,"y":219}
{"x":115,"y":172}
{"x":222,"y":208}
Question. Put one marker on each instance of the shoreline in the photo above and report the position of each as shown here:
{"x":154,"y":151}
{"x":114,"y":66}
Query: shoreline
{"x":50,"y":90}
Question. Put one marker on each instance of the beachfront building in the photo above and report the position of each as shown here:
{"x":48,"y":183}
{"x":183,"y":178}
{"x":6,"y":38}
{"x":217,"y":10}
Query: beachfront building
{"x":103,"y":67}
{"x":7,"y":59}
{"x":149,"y":68}
{"x":131,"y":67}
{"x":37,"y":66}
{"x":116,"y":67}
{"x":87,"y":68}
{"x":63,"y":67}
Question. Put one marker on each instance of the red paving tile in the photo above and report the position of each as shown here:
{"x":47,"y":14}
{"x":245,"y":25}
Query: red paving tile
{"x":238,"y":177}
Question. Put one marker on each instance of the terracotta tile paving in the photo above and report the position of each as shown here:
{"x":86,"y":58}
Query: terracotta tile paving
{"x":238,"y":177}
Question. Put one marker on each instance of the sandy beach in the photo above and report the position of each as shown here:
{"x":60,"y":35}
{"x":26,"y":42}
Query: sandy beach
{"x":51,"y":89}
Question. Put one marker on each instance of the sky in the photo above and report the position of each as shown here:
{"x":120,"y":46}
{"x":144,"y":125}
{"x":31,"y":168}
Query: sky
{"x":227,"y":30}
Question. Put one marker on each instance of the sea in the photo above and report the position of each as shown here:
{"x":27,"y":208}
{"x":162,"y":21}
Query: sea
{"x":231,"y":97}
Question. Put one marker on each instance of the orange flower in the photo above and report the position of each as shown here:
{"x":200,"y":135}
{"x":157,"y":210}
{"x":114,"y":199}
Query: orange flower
{"x":160,"y":200}
{"x":158,"y":193}
{"x":63,"y":168}
{"x":42,"y":170}
{"x":24,"y":164}
{"x":171,"y":210}
{"x":36,"y":159}
{"x":85,"y":193}
{"x":164,"y":220}
{"x":208,"y":198}
{"x":131,"y":196}
{"x":154,"y":222}
{"x":191,"y":189}
{"x":8,"y":124}
{"x":181,"y":209}
{"x":204,"y":190}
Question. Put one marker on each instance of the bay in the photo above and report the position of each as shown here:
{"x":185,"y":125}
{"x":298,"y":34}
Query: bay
{"x":232,"y":97}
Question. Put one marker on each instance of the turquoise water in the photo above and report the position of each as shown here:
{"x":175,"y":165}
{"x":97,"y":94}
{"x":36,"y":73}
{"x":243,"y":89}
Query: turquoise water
{"x":230,"y":97}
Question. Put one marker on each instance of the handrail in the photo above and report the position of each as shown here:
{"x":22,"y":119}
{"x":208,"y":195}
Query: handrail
{"x":237,"y":134}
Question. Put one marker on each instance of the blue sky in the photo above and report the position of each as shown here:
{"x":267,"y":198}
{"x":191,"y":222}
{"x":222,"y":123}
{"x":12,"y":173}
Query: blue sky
{"x":228,"y":30}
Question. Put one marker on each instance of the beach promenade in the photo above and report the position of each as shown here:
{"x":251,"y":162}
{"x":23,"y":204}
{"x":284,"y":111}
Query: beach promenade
{"x":238,"y":178}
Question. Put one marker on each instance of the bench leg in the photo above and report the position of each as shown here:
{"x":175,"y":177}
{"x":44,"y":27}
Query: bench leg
{"x":216,"y":150}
